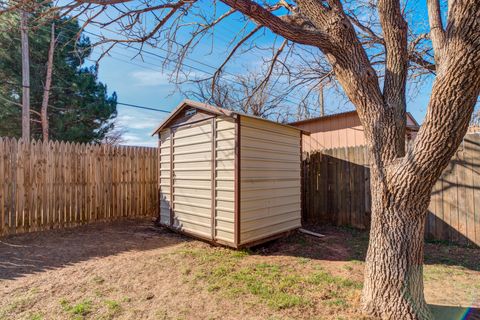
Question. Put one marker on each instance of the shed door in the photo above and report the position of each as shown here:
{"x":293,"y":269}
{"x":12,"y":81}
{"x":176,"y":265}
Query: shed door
{"x":192,"y":178}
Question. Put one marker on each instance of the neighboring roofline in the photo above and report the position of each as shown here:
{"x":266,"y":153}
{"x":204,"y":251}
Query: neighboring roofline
{"x":413,"y":128}
{"x":414,"y":120}
{"x":214,"y":110}
{"x":328,"y":116}
{"x":274,"y":122}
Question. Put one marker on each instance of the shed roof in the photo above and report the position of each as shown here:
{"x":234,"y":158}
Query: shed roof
{"x":213,"y":110}
{"x":353,"y":112}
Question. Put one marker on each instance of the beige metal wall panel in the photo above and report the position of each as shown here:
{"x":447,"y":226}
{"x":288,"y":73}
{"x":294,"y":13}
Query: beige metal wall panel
{"x":224,"y":215}
{"x":164,"y":180}
{"x":269,"y":179}
{"x":196,"y":139}
{"x":265,"y":222}
{"x":257,"y":138}
{"x":258,"y":155}
{"x":196,"y":165}
{"x":224,"y":179}
{"x":268,"y":126}
{"x":266,"y":201}
{"x":193,"y":192}
{"x":225,"y":185}
{"x":224,"y":164}
{"x":194,"y":157}
{"x":252,"y":196}
{"x":201,"y":130}
{"x":191,"y":226}
{"x":256,"y":214}
{"x":225,"y":133}
{"x":225,"y":236}
{"x":193,"y":184}
{"x":275,"y":227}
{"x":226,"y":155}
{"x":192,"y":177}
{"x":249,"y":185}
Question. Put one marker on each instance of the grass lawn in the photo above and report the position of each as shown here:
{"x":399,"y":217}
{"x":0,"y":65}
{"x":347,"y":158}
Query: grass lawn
{"x":130,"y":270}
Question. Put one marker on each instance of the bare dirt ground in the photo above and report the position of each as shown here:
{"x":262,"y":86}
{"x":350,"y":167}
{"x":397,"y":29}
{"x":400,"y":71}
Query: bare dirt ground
{"x":131,"y":270}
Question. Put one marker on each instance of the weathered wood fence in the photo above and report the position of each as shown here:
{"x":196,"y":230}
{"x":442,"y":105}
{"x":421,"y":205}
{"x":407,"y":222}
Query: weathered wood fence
{"x":337,"y":190}
{"x":57,"y":184}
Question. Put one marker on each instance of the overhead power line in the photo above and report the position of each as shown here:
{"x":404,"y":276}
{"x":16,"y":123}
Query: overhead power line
{"x":142,"y":107}
{"x":163,"y":58}
{"x":293,"y":100}
{"x":297,"y":101}
{"x":131,"y":105}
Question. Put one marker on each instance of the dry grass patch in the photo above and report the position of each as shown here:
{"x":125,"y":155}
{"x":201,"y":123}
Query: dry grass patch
{"x":133,"y":271}
{"x":281,"y":286}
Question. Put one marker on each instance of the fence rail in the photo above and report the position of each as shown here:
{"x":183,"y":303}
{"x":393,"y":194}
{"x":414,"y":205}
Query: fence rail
{"x":57,"y":184}
{"x":337,"y":190}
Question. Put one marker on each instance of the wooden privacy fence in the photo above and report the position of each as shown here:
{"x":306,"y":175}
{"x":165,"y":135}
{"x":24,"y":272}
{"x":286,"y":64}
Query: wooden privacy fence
{"x":336,"y":184}
{"x":57,"y":184}
{"x":336,"y":187}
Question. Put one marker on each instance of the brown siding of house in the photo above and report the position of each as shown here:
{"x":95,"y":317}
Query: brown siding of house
{"x":343,"y":130}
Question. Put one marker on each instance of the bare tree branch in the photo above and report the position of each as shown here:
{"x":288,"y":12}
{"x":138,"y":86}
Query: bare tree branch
{"x":264,"y":82}
{"x":103,"y":2}
{"x":289,"y":30}
{"x":238,"y":45}
{"x":437,"y":33}
{"x":395,"y":37}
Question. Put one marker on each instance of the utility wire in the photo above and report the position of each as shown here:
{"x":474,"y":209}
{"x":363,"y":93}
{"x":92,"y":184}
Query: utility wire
{"x":118,"y":102}
{"x":141,"y":107}
{"x":298,"y":101}
{"x":170,"y":60}
{"x":194,"y":67}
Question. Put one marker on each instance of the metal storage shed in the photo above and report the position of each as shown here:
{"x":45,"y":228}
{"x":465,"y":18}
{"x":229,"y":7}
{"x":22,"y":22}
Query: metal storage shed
{"x":227,"y":177}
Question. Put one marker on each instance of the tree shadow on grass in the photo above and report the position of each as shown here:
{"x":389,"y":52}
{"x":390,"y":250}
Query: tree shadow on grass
{"x":454,"y":313}
{"x":30,"y":253}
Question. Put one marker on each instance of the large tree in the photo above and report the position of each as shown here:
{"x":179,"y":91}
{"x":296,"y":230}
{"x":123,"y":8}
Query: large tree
{"x":370,"y":49}
{"x":79,"y":107}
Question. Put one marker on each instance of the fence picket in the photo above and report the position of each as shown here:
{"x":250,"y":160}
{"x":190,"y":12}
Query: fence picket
{"x":337,"y":191}
{"x":45,"y":185}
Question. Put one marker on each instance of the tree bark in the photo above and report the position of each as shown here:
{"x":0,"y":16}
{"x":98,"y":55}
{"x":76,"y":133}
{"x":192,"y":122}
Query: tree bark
{"x":401,"y":187}
{"x":46,"y":88}
{"x":393,"y":287}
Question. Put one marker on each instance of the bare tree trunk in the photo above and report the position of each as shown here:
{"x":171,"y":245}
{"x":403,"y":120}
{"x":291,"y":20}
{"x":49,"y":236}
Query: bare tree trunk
{"x":25,"y":76}
{"x":401,"y":187}
{"x":393,"y":287}
{"x":48,"y":82}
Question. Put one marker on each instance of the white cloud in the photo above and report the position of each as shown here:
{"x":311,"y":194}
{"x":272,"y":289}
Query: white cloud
{"x":146,"y":78}
{"x":137,"y":122}
{"x":129,"y":137}
{"x":142,"y":141}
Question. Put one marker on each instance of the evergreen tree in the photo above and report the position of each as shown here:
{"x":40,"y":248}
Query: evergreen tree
{"x":80,"y":108}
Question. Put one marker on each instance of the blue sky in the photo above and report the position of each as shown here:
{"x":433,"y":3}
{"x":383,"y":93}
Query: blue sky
{"x":141,"y":81}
